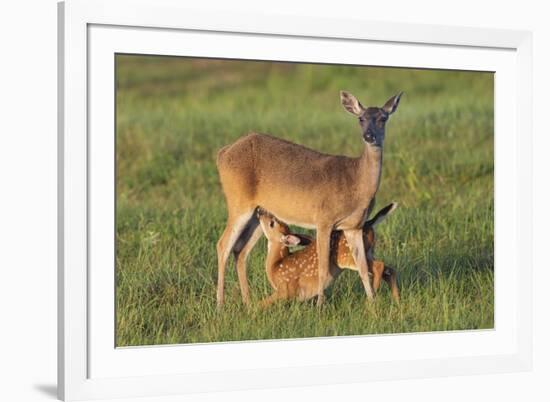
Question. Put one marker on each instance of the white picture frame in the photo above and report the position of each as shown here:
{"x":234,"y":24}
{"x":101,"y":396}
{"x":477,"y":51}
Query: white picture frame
{"x":90,"y":367}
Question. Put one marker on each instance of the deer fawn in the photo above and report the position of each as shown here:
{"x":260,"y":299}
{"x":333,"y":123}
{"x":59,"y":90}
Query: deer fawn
{"x":302,"y":187}
{"x":294,"y":275}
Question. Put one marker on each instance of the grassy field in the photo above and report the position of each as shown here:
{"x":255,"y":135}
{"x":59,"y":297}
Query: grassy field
{"x":173,"y":114}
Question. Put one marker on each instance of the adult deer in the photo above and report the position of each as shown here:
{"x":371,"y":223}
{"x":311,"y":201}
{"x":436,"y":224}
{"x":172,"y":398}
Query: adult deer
{"x":303,"y":187}
{"x":294,"y":275}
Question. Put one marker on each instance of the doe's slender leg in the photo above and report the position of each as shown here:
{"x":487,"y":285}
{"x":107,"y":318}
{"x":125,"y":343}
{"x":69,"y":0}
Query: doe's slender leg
{"x":232,"y":231}
{"x":323,"y":253}
{"x":355,"y":241}
{"x":251,"y":237}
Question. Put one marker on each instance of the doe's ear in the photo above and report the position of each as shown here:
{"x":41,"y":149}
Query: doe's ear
{"x":380,"y":215}
{"x":391,"y":105}
{"x":351,"y":104}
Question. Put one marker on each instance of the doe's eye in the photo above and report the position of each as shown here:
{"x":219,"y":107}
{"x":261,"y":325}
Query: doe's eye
{"x":271,"y":224}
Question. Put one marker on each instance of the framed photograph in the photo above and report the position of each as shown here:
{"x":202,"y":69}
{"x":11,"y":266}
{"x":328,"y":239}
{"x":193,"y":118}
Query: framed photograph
{"x":254,"y":201}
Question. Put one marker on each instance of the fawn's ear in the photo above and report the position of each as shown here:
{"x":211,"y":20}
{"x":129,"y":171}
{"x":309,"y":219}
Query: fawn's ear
{"x":391,"y":105}
{"x":304,"y":239}
{"x":351,"y":104}
{"x":380,"y":215}
{"x":292,"y":240}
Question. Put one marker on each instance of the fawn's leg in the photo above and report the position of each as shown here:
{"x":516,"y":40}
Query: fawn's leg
{"x":233,"y":229}
{"x":390,"y":276}
{"x":377,"y":274}
{"x":268,"y":301}
{"x":355,"y":241}
{"x":281,"y":293}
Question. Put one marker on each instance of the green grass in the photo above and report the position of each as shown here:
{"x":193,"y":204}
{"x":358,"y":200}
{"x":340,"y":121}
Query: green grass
{"x":173,"y":114}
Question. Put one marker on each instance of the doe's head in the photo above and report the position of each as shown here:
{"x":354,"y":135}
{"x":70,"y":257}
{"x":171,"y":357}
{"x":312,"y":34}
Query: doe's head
{"x":371,"y":119}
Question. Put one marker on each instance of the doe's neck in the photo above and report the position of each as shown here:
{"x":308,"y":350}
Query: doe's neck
{"x":370,"y":166}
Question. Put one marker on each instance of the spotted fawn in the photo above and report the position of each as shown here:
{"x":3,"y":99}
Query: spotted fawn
{"x":295,"y":275}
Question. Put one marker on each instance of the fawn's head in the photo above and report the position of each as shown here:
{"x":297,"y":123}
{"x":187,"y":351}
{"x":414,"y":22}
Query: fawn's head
{"x":371,"y":119}
{"x":278,"y":232}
